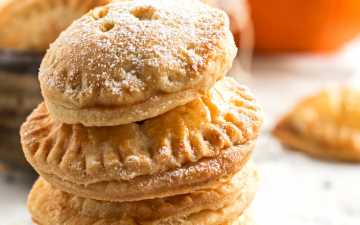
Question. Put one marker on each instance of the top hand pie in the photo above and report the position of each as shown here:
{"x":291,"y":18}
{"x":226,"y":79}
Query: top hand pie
{"x":133,"y":60}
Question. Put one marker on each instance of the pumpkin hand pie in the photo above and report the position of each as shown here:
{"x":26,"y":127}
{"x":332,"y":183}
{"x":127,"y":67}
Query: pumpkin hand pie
{"x":325,"y":125}
{"x":32,"y":25}
{"x":216,"y":205}
{"x":133,"y":60}
{"x":189,"y":147}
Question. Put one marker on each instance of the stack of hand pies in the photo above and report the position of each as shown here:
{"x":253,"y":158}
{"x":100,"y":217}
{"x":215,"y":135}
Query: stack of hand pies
{"x":139,"y":125}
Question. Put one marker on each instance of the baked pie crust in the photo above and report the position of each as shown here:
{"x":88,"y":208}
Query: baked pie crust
{"x":133,"y":60}
{"x":187,"y":146}
{"x":32,"y":25}
{"x":217,"y":205}
{"x":325,"y":125}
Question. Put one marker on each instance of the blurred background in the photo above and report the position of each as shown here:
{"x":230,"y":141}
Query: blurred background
{"x":288,"y":49}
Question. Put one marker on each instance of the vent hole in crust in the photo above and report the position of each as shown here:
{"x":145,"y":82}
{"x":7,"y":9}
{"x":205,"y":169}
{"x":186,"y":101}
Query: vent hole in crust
{"x":106,"y":26}
{"x":100,"y":12}
{"x":145,"y":13}
{"x":191,"y":46}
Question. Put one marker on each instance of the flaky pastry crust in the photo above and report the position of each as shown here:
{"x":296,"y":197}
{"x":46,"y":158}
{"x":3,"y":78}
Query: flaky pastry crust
{"x":325,"y":125}
{"x":133,"y":60}
{"x":203,"y":174}
{"x":227,"y":116}
{"x":214,"y":129}
{"x":219,"y":205}
{"x":32,"y":25}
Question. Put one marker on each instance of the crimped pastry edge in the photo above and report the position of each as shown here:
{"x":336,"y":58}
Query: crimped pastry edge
{"x":203,"y":128}
{"x":37,"y":205}
{"x":199,"y":175}
{"x":297,"y":142}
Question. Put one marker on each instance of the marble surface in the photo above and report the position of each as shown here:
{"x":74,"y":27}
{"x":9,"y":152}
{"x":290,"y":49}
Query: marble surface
{"x":295,"y":189}
{"x":14,"y":187}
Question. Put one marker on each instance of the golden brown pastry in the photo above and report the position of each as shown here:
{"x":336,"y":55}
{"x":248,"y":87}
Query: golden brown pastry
{"x":139,"y":125}
{"x":32,"y":25}
{"x":325,"y":125}
{"x":133,"y":60}
{"x":186,"y":148}
{"x":216,"y":205}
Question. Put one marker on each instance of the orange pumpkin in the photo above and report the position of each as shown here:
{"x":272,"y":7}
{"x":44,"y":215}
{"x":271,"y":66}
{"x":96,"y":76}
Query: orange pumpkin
{"x":298,"y":25}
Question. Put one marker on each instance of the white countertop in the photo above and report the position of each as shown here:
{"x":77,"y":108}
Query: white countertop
{"x":295,"y":189}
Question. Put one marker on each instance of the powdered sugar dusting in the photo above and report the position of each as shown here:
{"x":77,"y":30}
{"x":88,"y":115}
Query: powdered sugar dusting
{"x":147,"y":47}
